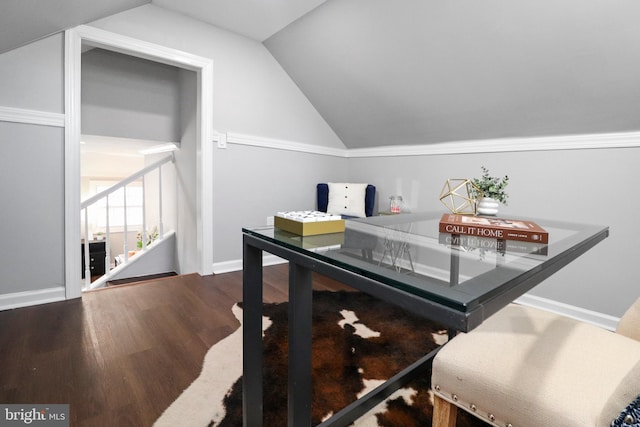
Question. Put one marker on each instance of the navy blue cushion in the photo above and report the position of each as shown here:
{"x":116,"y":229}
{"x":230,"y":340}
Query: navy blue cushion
{"x":323,"y":198}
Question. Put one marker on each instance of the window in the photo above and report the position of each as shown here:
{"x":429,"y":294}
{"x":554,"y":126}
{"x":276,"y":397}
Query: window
{"x":134,"y":209}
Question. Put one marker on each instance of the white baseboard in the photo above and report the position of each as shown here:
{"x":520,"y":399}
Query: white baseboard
{"x":227,"y":266}
{"x":236,"y":265}
{"x":27,"y":298}
{"x":602,"y":320}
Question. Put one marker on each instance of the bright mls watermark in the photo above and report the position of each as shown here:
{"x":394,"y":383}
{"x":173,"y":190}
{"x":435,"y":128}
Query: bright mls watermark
{"x":34,"y":415}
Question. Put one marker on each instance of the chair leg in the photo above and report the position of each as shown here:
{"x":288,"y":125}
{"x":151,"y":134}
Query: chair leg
{"x":444,"y":413}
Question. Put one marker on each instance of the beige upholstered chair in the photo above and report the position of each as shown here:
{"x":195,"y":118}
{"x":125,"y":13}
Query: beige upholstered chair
{"x":629,"y":325}
{"x":527,"y":367}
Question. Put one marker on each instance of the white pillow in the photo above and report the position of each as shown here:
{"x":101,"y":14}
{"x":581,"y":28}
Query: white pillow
{"x":346,"y":199}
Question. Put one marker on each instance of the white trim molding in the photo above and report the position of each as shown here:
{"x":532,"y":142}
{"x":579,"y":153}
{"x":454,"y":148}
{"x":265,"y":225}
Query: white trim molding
{"x":547,"y":143}
{"x":28,"y":298}
{"x":236,"y":265}
{"x":601,"y":320}
{"x":205,"y":164}
{"x":550,"y":143}
{"x":32,"y":117}
{"x":98,"y":37}
{"x":280,"y":144}
{"x":101,"y":139}
{"x":72,"y":107}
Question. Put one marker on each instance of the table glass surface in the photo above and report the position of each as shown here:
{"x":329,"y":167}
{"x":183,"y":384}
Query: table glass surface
{"x":407,"y":251}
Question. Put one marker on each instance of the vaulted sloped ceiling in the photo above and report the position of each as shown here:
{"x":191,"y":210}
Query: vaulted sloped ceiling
{"x":23,"y":21}
{"x":256,"y":19}
{"x":385,"y":72}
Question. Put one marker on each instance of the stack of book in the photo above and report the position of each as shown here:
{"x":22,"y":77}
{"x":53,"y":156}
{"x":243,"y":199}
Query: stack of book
{"x":493,"y":228}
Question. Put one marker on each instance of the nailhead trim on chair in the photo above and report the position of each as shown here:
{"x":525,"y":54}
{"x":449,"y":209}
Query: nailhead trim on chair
{"x":472,"y":408}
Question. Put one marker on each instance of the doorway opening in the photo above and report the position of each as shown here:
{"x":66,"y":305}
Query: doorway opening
{"x":197,"y":237}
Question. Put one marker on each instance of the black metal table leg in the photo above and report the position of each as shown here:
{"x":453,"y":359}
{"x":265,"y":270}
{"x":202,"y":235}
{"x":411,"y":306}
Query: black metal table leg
{"x":252,"y":336}
{"x":300,"y":314}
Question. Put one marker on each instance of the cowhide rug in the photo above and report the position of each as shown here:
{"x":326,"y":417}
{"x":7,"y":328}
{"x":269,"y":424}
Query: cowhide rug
{"x":358,"y":342}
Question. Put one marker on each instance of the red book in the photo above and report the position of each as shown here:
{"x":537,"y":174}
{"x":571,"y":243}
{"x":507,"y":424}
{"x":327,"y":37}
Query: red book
{"x":495,"y":228}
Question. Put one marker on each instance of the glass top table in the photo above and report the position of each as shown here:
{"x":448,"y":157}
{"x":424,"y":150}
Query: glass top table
{"x":403,"y":259}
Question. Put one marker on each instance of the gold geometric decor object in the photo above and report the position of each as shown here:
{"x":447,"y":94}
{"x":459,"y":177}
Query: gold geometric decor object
{"x":460,"y":196}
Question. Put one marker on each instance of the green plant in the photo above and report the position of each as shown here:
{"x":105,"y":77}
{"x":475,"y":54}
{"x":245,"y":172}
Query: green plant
{"x":151,"y":236}
{"x":491,"y":186}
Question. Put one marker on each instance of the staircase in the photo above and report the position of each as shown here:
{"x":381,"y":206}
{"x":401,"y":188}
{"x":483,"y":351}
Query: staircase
{"x":156,"y":246}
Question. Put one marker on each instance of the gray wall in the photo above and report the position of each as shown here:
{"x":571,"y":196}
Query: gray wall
{"x":128,"y":97}
{"x":31,"y":210}
{"x":254,"y":183}
{"x":589,"y":186}
{"x":32,"y":77}
{"x":32,"y":171}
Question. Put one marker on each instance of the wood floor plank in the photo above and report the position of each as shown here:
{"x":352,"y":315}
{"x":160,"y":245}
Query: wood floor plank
{"x":121,"y":355}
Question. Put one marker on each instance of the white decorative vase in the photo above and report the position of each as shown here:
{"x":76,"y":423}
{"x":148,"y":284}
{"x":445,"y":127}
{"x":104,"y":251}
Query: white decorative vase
{"x":488,"y":206}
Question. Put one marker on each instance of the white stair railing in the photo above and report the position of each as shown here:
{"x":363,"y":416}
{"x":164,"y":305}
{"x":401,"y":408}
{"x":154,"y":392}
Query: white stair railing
{"x":104,"y":195}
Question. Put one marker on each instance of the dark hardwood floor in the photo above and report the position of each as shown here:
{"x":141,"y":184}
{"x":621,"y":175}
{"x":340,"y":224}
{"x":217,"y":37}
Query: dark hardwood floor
{"x":119,"y":356}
